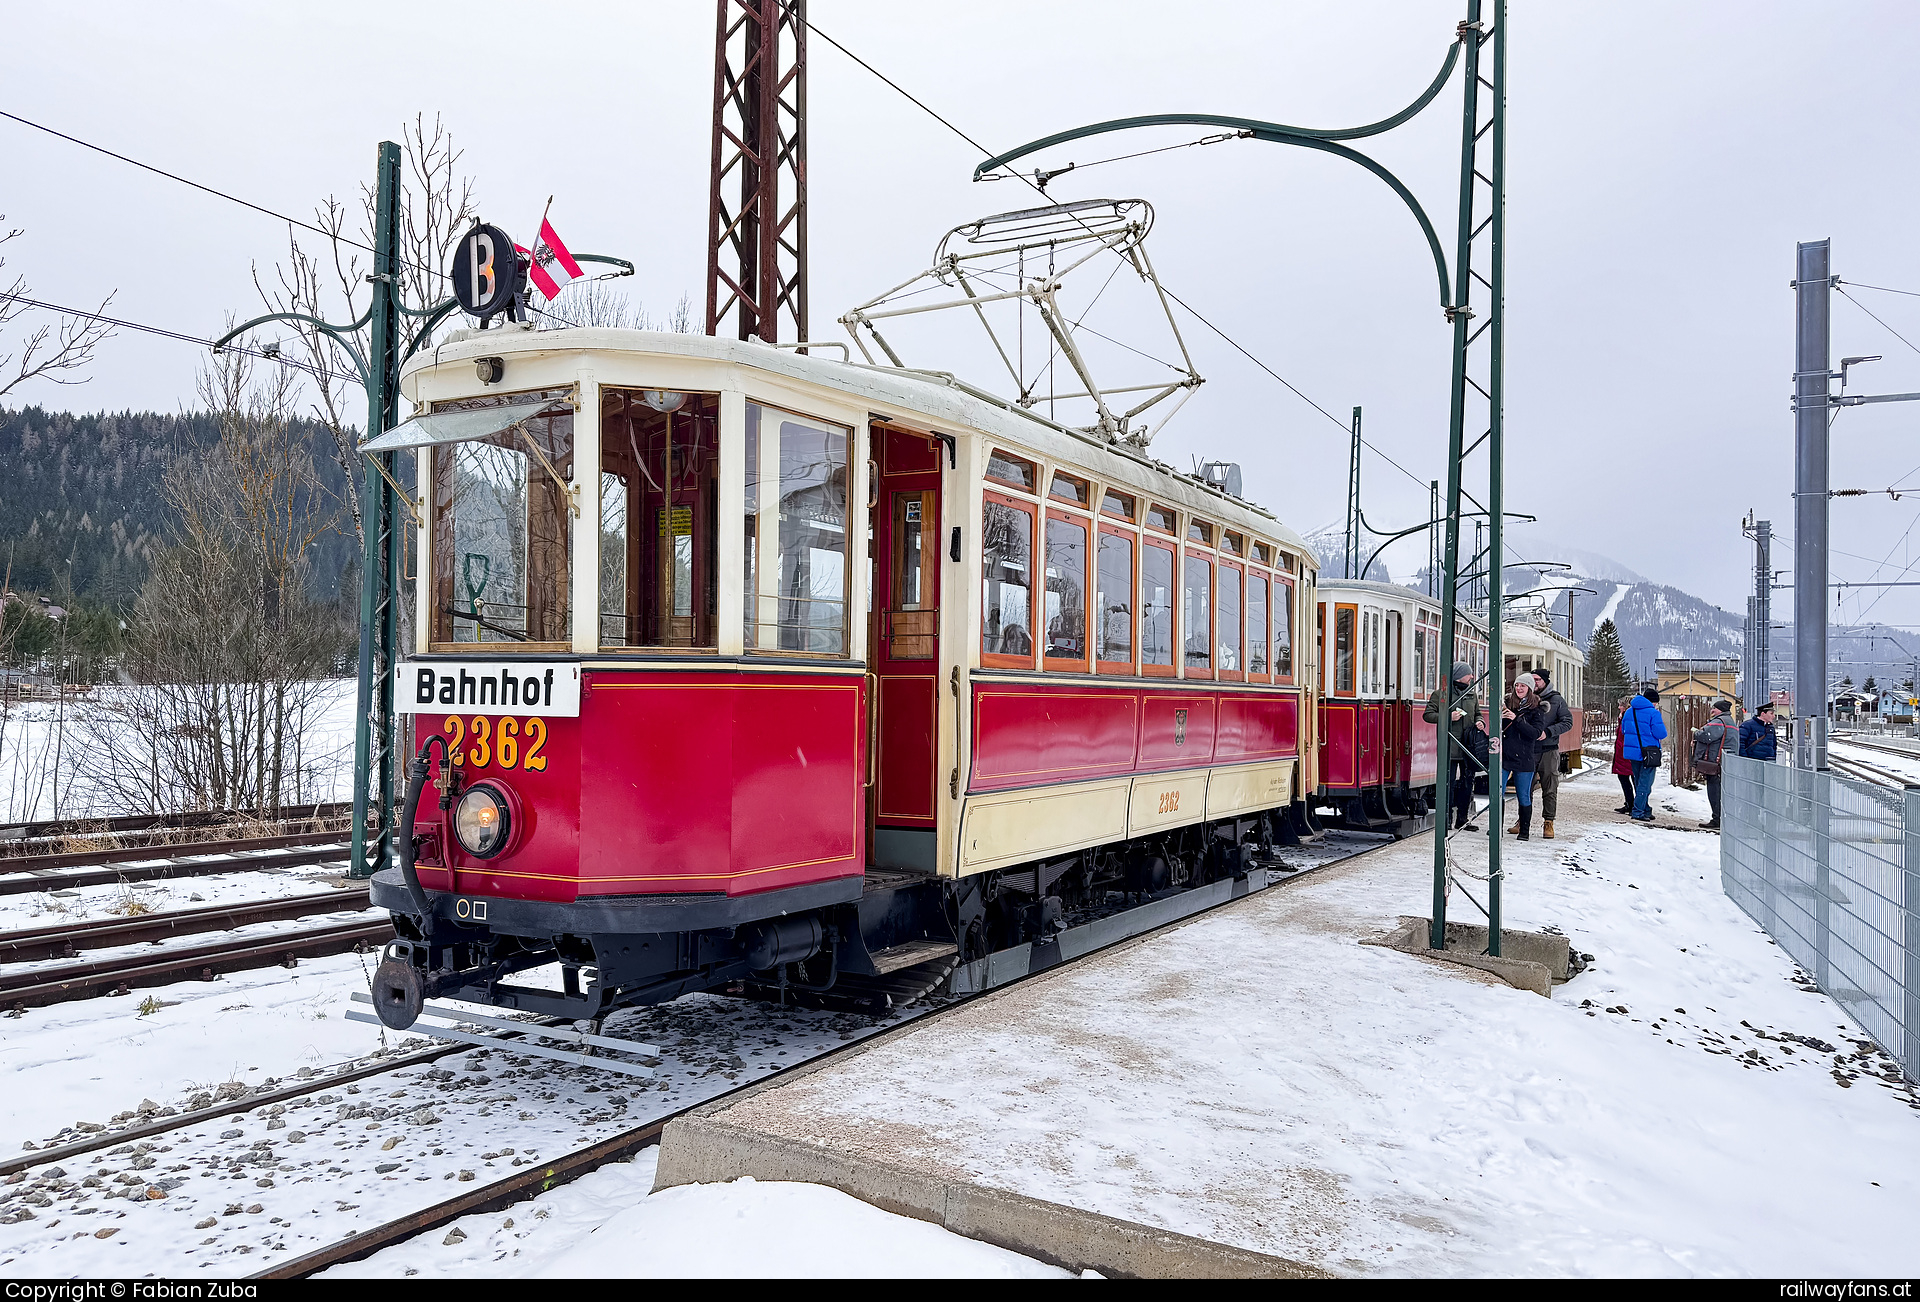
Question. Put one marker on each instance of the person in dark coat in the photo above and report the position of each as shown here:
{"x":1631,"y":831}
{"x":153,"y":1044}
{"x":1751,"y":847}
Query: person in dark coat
{"x":1622,"y":766}
{"x":1546,"y":771}
{"x":1459,"y":705}
{"x":1520,"y":746}
{"x":1642,"y":731}
{"x":1709,"y":750}
{"x":1757,"y":739}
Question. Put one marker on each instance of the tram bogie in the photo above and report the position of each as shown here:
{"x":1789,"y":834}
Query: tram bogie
{"x":741,"y":669}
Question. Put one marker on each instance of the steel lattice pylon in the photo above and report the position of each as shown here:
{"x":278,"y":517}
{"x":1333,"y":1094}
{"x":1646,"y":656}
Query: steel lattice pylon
{"x":757,"y":207}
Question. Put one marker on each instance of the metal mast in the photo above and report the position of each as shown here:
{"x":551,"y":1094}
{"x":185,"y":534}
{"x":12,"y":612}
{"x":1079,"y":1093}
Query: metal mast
{"x":757,"y":205}
{"x":1812,"y":387}
{"x":1760,"y":617}
{"x":374,"y":722}
{"x":1476,"y":314}
{"x":1353,"y":502}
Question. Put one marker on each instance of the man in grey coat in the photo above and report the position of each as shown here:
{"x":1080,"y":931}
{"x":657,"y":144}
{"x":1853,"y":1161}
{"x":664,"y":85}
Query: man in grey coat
{"x":1457,"y":708}
{"x":1547,"y":768}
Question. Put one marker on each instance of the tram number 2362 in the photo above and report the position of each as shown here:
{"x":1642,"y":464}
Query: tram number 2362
{"x":505,"y":742}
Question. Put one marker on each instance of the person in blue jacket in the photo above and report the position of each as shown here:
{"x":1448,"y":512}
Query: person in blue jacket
{"x":1757,"y":739}
{"x":1641,"y":732}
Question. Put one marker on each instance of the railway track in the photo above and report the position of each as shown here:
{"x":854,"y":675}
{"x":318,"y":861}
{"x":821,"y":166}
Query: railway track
{"x":202,"y":859}
{"x":18,"y":839}
{"x":1863,"y":771}
{"x":90,"y":978}
{"x":70,"y":940}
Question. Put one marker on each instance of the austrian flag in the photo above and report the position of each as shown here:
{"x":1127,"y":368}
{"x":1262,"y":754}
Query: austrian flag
{"x":550,"y":267}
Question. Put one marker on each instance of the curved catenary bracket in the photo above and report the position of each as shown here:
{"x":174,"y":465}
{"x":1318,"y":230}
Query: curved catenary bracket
{"x":1323,"y":139}
{"x":337,"y":333}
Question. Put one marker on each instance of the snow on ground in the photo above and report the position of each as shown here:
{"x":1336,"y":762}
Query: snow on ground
{"x":1687,"y":1106}
{"x":608,"y":1226}
{"x":244,"y":1191}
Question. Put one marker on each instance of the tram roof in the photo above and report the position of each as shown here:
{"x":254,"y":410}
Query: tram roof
{"x":929,"y":396}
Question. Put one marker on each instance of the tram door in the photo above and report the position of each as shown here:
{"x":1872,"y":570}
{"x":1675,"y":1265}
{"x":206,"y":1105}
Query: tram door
{"x":1393,"y":713}
{"x":905,"y":649}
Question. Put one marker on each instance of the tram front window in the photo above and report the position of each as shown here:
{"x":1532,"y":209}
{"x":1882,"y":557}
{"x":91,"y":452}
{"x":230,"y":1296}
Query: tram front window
{"x":659,"y":535}
{"x":502,"y":542}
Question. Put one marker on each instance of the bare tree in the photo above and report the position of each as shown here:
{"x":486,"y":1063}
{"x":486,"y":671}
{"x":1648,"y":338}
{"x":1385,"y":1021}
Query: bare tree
{"x":54,"y":352}
{"x":596,"y":302}
{"x":436,"y":205}
{"x":226,"y":647}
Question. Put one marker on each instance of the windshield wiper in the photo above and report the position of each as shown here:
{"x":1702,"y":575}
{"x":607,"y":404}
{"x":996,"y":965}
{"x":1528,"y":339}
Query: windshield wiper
{"x":489,"y":625}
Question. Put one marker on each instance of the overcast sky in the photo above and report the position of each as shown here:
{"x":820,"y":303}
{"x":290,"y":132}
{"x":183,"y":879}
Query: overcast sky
{"x":1662,"y":164}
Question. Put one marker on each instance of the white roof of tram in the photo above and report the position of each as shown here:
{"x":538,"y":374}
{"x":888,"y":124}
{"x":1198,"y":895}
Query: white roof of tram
{"x":914,"y":397}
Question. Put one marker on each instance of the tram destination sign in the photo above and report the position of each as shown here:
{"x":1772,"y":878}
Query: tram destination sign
{"x":547,"y":688}
{"x":487,"y":274}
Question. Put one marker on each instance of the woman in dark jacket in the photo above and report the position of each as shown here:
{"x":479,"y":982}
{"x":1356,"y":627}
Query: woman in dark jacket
{"x":1622,"y":766}
{"x":1521,"y":743}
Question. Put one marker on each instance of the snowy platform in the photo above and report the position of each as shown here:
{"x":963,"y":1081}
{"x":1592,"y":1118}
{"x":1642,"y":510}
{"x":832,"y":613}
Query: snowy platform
{"x":1260,"y":1078}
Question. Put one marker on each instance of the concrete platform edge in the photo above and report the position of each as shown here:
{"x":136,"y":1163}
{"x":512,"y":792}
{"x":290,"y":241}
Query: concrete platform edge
{"x":699,"y":1149}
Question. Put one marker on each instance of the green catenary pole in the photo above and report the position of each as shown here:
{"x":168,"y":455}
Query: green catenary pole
{"x":1496,"y":467}
{"x":1456,"y":420}
{"x":373,"y":729}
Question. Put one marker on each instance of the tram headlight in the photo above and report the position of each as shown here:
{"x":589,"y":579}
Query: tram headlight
{"x":483,"y":821}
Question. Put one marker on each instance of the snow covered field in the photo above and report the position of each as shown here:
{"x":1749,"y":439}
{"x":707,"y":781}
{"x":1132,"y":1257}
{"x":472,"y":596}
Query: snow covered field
{"x":39,"y":778}
{"x":1687,"y":1106}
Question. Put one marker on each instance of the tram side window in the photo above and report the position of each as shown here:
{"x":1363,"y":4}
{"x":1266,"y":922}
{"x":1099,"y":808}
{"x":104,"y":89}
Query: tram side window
{"x":1156,"y":606}
{"x":1420,"y":658}
{"x":1257,"y":587}
{"x":1113,"y":601}
{"x":1067,"y":591}
{"x":659,"y":518}
{"x":1006,"y":576}
{"x":1196,"y":615}
{"x":1343,"y":635}
{"x":1228,"y":599}
{"x":1282,"y":629}
{"x":810,"y":606}
{"x":502,"y":541}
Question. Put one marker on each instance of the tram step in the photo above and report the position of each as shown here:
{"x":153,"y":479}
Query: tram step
{"x":912,"y":954}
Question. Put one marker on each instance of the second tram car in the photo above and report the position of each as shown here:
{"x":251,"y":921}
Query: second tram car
{"x":1379,"y":663}
{"x":737,"y":665}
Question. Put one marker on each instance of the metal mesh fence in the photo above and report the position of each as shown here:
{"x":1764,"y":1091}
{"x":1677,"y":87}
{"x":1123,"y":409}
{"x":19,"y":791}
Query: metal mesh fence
{"x":1830,"y":868}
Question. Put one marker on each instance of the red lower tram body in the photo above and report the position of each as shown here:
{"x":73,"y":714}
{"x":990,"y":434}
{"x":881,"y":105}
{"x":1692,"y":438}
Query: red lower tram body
{"x":1377,"y":760}
{"x":693,"y":829}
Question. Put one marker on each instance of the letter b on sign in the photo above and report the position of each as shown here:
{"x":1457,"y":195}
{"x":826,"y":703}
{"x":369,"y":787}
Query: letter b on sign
{"x":486,"y":271}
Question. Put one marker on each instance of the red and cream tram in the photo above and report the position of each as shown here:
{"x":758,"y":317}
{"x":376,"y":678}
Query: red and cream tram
{"x":733,"y":664}
{"x":1380,"y":661}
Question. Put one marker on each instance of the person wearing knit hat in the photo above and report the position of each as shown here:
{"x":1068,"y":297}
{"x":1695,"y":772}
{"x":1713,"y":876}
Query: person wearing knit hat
{"x":1456,"y":706}
{"x":1642,"y":731}
{"x":1546,"y":773}
{"x":1709,"y":751}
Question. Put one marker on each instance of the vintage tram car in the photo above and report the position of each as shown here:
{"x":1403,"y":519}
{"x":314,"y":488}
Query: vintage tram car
{"x":1379,"y":663}
{"x":737,"y":665}
{"x":1531,"y":643}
